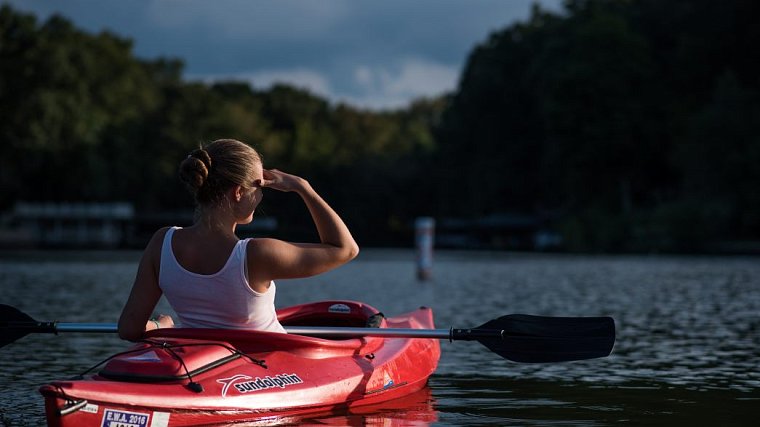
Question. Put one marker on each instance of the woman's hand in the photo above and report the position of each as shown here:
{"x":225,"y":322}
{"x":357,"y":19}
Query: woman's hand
{"x":164,"y":321}
{"x":282,"y":181}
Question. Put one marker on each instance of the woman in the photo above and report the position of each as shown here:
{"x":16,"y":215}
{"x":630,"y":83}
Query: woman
{"x":210,"y":277}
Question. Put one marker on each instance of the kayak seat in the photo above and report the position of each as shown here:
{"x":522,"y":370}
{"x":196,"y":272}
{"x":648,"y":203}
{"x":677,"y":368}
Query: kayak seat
{"x":375,"y":321}
{"x":338,"y":313}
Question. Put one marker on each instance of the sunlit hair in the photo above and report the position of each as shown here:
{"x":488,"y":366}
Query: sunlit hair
{"x":214,"y":168}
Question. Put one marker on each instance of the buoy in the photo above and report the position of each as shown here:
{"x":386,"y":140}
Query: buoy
{"x":424,"y":230}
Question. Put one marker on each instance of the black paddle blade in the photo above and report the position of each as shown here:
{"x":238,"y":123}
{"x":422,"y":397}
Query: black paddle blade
{"x":10,"y":320}
{"x":539,"y":339}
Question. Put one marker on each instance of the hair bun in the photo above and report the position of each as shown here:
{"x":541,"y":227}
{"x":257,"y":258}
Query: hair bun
{"x":203,"y":156}
{"x":195,"y":168}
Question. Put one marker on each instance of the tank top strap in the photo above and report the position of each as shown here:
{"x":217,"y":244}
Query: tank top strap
{"x":241,"y":249}
{"x":166,"y":246}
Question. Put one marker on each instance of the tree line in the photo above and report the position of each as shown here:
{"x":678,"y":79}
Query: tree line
{"x":634,"y":124}
{"x":621,"y":125}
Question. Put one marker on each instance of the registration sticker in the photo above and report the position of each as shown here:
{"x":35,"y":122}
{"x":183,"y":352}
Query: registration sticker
{"x":90,"y":408}
{"x":160,"y":419}
{"x":114,"y":418}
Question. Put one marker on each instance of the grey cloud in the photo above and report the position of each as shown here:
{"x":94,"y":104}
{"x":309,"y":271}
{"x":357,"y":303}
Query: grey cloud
{"x":331,"y":39}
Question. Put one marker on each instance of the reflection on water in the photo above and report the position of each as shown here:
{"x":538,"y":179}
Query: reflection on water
{"x":414,"y":410}
{"x":520,"y":402}
{"x":686,"y":353}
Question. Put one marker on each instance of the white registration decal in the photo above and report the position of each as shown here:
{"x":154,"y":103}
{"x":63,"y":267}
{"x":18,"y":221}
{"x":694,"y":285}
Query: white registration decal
{"x":116,"y":418}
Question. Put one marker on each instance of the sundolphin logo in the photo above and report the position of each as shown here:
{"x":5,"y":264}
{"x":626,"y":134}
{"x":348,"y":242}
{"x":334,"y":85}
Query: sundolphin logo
{"x":229,"y":381}
{"x":246,"y":384}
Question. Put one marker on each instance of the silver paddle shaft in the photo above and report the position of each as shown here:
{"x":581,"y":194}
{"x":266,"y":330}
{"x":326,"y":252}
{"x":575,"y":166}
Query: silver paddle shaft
{"x":322,"y":331}
{"x":327,"y":331}
{"x":85,"y":327}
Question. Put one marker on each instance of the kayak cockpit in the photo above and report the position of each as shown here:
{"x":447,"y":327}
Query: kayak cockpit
{"x":323,"y":313}
{"x":350,"y":314}
{"x":173,"y":354}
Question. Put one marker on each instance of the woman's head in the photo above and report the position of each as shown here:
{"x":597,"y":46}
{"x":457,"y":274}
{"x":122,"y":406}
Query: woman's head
{"x":211,"y":171}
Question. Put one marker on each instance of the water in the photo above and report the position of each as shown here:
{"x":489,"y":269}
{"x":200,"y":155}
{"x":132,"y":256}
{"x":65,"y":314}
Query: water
{"x":687,"y":351}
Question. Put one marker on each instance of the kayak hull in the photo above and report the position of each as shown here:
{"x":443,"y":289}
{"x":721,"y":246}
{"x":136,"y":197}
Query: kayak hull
{"x":205,"y":376}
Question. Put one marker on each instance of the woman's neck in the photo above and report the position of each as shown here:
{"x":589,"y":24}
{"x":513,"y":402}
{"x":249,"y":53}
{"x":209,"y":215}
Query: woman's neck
{"x":216,"y":221}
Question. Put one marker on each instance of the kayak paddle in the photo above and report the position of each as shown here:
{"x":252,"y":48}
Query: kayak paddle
{"x":517,"y":337}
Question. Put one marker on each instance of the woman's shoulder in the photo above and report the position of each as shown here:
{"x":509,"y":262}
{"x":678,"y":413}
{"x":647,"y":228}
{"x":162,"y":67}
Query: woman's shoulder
{"x":160,"y":233}
{"x":260,"y":243}
{"x":260,"y":250}
{"x":157,"y":240}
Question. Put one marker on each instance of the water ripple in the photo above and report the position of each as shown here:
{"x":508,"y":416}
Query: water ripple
{"x":688,"y":330}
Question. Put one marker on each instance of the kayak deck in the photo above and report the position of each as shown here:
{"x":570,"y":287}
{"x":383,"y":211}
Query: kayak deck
{"x":200,"y":376}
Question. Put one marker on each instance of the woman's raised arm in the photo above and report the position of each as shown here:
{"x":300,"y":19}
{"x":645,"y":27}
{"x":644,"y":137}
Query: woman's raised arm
{"x":276,"y":259}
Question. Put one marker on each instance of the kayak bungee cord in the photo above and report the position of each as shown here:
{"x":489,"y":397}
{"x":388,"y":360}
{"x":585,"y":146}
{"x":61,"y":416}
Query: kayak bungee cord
{"x":71,"y":405}
{"x":192,"y":385}
{"x":169,"y":348}
{"x":123,"y":353}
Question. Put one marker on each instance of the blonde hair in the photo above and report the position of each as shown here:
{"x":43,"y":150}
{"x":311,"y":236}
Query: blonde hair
{"x":213,"y":169}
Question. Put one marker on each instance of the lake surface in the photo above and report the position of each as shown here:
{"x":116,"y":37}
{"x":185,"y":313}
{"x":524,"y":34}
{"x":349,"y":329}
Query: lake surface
{"x":687,"y":350}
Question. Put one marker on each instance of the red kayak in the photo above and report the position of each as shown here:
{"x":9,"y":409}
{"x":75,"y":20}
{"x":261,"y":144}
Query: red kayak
{"x":180,"y":377}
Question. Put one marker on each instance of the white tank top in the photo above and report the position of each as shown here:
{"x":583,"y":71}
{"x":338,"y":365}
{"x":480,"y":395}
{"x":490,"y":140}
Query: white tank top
{"x":219,"y":300}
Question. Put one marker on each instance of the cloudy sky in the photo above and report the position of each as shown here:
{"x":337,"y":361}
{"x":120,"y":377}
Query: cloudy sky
{"x":370,"y":53}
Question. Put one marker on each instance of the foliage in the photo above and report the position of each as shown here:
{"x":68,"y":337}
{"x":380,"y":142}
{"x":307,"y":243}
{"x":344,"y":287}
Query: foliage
{"x":625,"y":125}
{"x":614,"y":118}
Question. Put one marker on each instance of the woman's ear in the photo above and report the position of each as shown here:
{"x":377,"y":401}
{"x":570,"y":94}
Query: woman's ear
{"x":237,"y":193}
